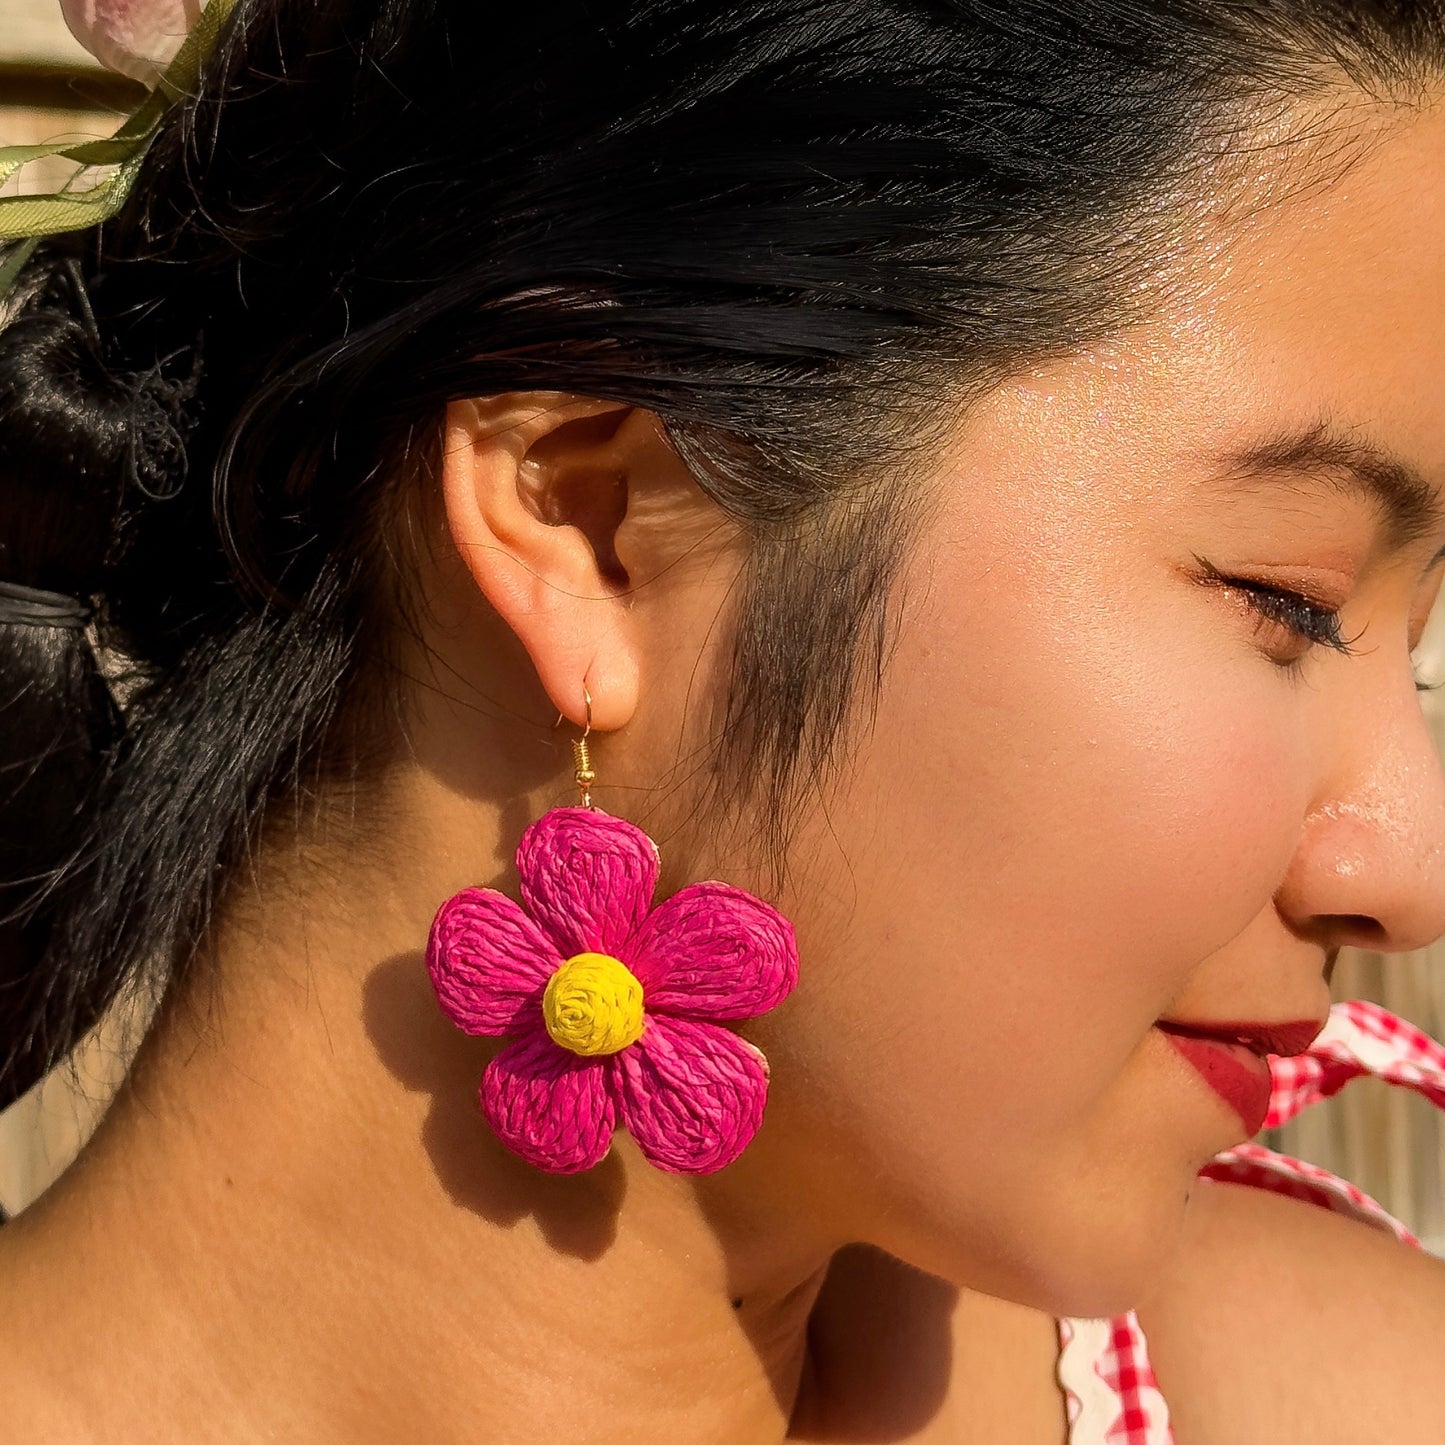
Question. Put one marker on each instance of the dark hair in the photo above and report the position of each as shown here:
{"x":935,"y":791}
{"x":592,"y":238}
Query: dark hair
{"x":788,"y":227}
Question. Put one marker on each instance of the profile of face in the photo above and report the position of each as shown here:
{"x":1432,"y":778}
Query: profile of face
{"x":1105,"y":789}
{"x":1113,"y":779}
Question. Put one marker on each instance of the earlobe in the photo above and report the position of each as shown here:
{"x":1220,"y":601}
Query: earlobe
{"x":531,"y":491}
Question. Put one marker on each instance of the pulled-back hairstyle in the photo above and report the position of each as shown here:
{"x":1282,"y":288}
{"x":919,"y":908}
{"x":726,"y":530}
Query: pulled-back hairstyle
{"x":791,"y":228}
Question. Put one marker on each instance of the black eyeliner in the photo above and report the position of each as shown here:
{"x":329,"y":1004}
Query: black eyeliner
{"x":1313,"y":621}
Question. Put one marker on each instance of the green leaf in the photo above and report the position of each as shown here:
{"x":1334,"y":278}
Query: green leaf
{"x":37,"y":216}
{"x":33,"y":217}
{"x":112,"y":152}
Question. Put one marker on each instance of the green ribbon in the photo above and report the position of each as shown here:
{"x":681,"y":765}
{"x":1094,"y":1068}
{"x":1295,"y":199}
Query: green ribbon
{"x":29,"y":219}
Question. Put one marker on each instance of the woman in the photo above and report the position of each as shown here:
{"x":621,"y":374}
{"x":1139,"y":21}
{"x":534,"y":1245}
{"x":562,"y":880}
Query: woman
{"x":975,"y":475}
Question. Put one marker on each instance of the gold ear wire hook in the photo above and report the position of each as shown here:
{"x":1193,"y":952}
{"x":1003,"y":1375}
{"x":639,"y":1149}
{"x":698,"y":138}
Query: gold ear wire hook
{"x":582,"y":755}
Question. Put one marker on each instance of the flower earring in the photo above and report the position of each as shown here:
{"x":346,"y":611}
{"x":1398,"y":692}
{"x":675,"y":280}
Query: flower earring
{"x":614,"y":1007}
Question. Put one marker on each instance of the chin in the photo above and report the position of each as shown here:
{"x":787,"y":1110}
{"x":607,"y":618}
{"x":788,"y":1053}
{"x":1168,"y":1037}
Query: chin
{"x":1105,"y":1262}
{"x":1089,"y":1257}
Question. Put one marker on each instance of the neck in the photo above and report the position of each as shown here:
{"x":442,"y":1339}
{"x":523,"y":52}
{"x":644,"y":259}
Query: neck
{"x":294,"y":1218}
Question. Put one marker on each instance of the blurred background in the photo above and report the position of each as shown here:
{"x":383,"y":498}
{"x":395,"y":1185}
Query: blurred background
{"x":1388,"y":1141}
{"x":51,"y":89}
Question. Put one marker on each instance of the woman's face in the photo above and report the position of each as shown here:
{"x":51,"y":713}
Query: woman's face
{"x":1102,"y":791}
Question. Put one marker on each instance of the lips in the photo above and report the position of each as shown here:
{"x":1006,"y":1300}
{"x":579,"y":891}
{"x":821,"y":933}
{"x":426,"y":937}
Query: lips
{"x":1232,"y":1058}
{"x":1281,"y":1039}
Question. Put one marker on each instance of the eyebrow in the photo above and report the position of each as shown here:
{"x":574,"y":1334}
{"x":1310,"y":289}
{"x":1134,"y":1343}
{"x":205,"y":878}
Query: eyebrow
{"x":1409,"y":506}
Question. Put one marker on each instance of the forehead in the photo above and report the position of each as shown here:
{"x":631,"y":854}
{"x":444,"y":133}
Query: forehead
{"x":1331,"y":294}
{"x":1319,"y":299}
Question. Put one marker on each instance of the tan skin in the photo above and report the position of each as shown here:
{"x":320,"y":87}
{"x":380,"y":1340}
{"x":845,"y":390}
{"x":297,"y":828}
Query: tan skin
{"x":1093,"y":792}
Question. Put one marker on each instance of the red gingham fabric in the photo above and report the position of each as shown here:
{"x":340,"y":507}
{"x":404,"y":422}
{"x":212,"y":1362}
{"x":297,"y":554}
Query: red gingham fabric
{"x":1112,"y":1394}
{"x":1109,"y":1385}
{"x":1360,"y":1038}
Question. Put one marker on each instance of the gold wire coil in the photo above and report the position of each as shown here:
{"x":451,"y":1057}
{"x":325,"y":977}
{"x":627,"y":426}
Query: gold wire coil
{"x":582,"y":755}
{"x":582,"y":759}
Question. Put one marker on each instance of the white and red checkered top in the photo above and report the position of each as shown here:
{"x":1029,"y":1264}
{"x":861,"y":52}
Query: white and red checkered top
{"x":1112,"y":1395}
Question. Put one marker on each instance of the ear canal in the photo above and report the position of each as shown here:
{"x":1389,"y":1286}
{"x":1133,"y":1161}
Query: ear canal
{"x":595,"y":502}
{"x":580,"y":482}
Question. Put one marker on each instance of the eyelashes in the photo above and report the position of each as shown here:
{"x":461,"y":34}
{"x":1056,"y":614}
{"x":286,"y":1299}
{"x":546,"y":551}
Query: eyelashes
{"x":1316,"y":624}
{"x":1304,"y":622}
{"x":1310,"y":621}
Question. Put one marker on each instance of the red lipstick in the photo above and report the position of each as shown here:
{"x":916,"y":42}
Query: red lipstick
{"x":1231,"y":1058}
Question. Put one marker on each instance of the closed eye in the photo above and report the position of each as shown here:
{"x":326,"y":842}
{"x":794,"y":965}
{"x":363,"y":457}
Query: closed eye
{"x":1316,"y":623}
{"x":1295,"y":622}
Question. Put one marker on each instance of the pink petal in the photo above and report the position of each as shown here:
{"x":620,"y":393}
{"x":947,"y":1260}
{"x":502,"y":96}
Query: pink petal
{"x":713,"y":951}
{"x":549,"y":1105}
{"x":692,"y":1094}
{"x":587,"y":878}
{"x":489,"y":963}
{"x":139,"y":38}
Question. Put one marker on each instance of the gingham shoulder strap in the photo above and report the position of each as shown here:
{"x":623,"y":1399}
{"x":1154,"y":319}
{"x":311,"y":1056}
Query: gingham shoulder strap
{"x":1109,"y":1388}
{"x":1112,"y":1395}
{"x":1360,"y":1039}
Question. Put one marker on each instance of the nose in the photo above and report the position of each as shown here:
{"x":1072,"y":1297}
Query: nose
{"x":1369,"y":867}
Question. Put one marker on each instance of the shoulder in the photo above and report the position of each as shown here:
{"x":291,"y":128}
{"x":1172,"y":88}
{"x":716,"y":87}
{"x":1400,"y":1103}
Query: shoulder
{"x":1279,"y":1320}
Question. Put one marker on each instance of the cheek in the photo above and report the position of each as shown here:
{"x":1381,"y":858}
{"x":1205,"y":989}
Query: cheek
{"x":1059,"y":813}
{"x":1064,"y":809}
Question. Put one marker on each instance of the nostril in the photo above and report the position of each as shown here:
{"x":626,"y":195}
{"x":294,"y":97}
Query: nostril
{"x":1359,"y":930}
{"x":1335,"y":931}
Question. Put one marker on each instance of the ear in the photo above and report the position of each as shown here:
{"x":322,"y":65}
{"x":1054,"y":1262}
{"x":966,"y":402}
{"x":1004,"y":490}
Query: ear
{"x":536,"y":486}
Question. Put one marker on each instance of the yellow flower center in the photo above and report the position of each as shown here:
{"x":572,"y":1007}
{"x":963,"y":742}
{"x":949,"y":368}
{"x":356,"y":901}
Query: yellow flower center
{"x":593,"y":1005}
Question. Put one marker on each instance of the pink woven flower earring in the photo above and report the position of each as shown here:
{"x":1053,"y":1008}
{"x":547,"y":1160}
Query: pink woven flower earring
{"x":614,"y":1007}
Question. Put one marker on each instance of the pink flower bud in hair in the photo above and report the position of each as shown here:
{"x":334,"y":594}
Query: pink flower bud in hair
{"x":135,"y":37}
